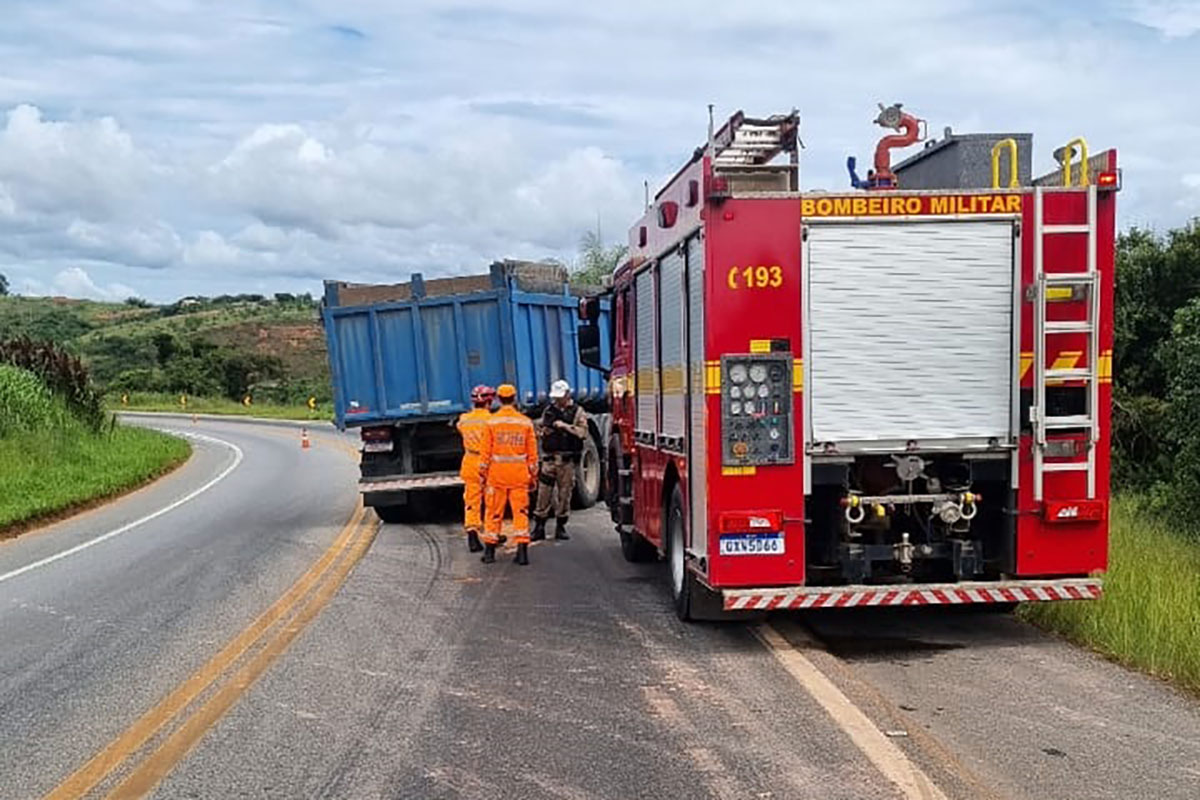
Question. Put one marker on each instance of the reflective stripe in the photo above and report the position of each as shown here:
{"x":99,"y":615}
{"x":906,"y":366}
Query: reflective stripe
{"x":508,"y":459}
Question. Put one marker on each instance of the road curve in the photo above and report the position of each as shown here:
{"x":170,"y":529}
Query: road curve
{"x":431,"y":675}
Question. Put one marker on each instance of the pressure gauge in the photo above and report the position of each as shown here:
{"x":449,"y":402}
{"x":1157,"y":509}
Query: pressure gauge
{"x":764,"y":390}
{"x":735,"y":408}
{"x":735,"y":393}
{"x":776,"y":373}
{"x":758,"y":373}
{"x":737,"y":373}
{"x":774,"y":434}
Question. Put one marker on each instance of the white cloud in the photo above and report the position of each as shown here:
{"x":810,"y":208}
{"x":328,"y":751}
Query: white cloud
{"x":1174,"y":18}
{"x":76,"y":282}
{"x":190,"y":147}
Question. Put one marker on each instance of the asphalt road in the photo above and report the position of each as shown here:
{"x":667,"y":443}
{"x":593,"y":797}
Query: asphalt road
{"x":430,"y":675}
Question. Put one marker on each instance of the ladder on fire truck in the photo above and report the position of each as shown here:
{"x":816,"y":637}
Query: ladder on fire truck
{"x":1075,"y":285}
{"x":746,"y":142}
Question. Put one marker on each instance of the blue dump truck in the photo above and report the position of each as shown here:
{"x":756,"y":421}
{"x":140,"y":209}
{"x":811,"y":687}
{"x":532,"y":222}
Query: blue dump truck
{"x":404,"y":357}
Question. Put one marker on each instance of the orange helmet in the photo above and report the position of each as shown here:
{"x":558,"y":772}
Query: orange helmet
{"x":506,"y":391}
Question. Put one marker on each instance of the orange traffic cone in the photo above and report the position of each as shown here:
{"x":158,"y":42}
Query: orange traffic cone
{"x":304,"y":443}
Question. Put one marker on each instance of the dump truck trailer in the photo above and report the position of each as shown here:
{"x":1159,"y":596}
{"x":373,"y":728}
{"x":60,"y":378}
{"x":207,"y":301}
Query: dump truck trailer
{"x":404,"y":357}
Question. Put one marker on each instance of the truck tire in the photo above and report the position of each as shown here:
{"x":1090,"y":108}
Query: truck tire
{"x":684,"y":587}
{"x":635,"y":549}
{"x":588,"y":476}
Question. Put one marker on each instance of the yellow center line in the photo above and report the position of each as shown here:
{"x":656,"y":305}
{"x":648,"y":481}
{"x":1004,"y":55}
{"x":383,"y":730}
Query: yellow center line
{"x":101,"y":765}
{"x":84,"y":779}
{"x":159,"y":764}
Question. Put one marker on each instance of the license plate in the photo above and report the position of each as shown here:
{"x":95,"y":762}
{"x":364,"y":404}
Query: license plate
{"x":752,"y":544}
{"x":377,"y":447}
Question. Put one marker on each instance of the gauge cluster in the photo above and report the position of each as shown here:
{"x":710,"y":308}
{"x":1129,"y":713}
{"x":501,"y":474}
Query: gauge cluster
{"x":756,"y":409}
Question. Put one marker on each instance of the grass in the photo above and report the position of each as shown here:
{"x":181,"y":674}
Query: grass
{"x":139,"y":401}
{"x":52,"y":463}
{"x":1149,"y":616}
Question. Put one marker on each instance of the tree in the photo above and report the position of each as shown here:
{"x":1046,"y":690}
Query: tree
{"x":596,"y":261}
{"x":3,"y":285}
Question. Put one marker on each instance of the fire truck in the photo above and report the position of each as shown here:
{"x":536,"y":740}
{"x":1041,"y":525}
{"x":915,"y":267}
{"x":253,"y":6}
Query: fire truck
{"x":897,"y":394}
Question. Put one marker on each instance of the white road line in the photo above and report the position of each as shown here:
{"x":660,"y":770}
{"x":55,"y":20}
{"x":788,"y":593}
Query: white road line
{"x":238,"y":455}
{"x":886,"y":756}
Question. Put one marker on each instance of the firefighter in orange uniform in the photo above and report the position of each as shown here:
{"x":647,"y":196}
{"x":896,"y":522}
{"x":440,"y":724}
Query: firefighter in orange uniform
{"x":472,"y":426}
{"x":508,"y":461}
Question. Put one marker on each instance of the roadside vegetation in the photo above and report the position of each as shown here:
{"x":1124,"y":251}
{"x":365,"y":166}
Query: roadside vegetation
{"x":58,"y":449}
{"x":209,"y":348}
{"x":145,"y":401}
{"x":1149,"y":616}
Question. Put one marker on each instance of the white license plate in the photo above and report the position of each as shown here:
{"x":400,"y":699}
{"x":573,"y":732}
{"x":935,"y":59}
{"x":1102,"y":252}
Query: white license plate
{"x":752,"y":544}
{"x":377,"y":447}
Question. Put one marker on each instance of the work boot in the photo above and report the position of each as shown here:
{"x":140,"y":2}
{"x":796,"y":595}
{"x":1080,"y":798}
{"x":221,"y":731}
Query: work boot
{"x":560,"y":529}
{"x":473,"y":543}
{"x":522,"y":556}
{"x":539,"y":530}
{"x":489,"y":554}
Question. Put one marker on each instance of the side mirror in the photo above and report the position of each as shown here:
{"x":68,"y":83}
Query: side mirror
{"x":589,"y":347}
{"x":589,"y":309}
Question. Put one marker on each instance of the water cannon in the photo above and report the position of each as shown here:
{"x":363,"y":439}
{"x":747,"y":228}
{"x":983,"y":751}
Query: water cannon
{"x":882,"y":176}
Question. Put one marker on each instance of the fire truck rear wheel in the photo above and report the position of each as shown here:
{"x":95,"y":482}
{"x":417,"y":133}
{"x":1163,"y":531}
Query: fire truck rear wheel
{"x":394,"y":514}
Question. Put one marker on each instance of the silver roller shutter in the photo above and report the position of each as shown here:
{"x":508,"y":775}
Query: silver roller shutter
{"x":670,"y":279}
{"x":910,"y":330}
{"x":646,"y":377}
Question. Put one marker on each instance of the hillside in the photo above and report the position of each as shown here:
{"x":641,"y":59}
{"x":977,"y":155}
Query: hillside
{"x":272,"y":348}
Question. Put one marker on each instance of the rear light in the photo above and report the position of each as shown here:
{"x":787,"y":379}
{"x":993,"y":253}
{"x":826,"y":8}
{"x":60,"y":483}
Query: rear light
{"x":693,"y":192}
{"x":380,"y":434}
{"x":718,"y":188}
{"x":750,"y":521}
{"x":1063,"y":511}
{"x":1109,"y":180}
{"x":642,"y":236}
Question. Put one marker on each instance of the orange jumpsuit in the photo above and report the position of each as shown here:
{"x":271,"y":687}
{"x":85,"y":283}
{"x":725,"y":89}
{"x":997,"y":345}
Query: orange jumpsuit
{"x":508,"y":460}
{"x":473,"y":427}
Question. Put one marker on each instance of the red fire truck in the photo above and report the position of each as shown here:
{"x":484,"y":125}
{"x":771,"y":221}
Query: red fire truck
{"x":894,"y":395}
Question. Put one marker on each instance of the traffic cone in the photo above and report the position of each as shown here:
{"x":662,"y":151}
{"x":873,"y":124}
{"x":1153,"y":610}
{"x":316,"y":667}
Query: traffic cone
{"x":304,"y":443}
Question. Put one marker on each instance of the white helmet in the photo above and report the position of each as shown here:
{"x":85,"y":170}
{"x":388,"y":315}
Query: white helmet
{"x":559,"y":389}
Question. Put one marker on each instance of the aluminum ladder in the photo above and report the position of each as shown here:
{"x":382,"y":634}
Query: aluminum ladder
{"x":1046,"y":331}
{"x":745,"y":142}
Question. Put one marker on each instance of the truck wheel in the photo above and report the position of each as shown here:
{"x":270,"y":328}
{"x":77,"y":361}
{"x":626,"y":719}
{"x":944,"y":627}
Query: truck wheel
{"x":636,"y":549}
{"x":393,"y":514}
{"x":587,"y":476}
{"x":683,"y":582}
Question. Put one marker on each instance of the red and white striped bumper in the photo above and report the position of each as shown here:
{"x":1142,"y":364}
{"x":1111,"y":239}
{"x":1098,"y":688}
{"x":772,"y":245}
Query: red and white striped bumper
{"x":412,"y":483}
{"x":1030,"y":591}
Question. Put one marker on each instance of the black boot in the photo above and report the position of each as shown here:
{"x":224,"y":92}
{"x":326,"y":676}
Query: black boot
{"x":522,"y":556}
{"x":473,"y":543}
{"x":560,"y":529}
{"x":489,"y":554}
{"x":539,"y":530}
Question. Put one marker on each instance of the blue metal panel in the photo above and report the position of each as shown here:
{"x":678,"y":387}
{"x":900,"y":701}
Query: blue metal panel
{"x":355,"y":358}
{"x":442,"y":356}
{"x":398,"y":360}
{"x":408,"y":360}
{"x":485,"y":343}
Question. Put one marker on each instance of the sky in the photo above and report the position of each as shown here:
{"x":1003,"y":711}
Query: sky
{"x":173,"y":147}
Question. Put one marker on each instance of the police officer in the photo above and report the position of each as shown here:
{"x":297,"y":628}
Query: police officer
{"x":564,"y":429}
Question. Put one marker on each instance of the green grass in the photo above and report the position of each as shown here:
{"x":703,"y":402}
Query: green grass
{"x":51,"y":462}
{"x":1149,"y":616}
{"x":140,"y":401}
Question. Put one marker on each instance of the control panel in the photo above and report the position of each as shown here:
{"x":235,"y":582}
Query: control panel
{"x":756,"y":409}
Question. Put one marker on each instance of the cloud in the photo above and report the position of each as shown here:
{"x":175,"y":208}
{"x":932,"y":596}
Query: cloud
{"x":186,"y":147}
{"x":75,"y":282}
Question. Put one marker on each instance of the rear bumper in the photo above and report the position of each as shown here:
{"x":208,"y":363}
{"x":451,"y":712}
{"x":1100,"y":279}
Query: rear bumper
{"x":411,"y":483}
{"x":1011,"y":591}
